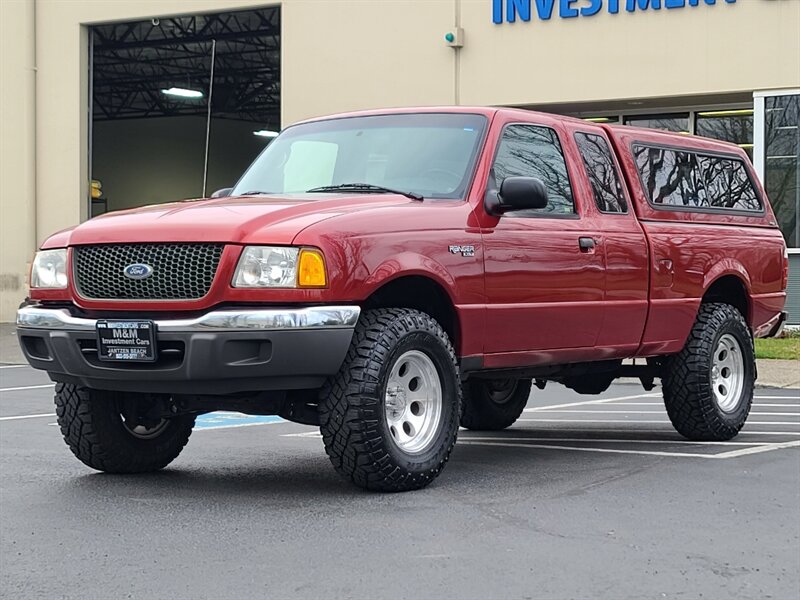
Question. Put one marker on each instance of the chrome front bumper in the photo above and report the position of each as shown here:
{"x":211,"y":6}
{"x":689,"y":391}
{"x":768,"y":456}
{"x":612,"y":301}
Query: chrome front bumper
{"x":220,"y":352}
{"x":283,"y":319}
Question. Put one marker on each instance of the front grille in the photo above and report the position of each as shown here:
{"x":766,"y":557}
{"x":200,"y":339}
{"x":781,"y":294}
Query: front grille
{"x":180,"y":271}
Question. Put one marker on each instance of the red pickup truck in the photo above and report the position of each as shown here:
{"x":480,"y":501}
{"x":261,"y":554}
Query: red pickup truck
{"x":392,"y":275}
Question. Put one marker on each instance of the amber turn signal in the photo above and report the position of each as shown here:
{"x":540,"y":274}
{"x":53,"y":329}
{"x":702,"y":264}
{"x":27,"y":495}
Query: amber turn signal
{"x":311,"y":269}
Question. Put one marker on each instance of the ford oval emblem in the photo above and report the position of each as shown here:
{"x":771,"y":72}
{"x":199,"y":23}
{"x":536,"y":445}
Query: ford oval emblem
{"x":138,"y":271}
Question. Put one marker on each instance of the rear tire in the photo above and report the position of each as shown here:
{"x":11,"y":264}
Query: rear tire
{"x":708,"y":386}
{"x":97,"y":434}
{"x":494,"y":404}
{"x":389,"y":418}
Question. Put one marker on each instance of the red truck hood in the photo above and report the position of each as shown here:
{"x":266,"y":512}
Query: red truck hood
{"x":242,"y":219}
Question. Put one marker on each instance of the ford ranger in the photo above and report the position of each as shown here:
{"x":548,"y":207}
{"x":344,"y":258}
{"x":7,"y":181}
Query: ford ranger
{"x":392,"y":275}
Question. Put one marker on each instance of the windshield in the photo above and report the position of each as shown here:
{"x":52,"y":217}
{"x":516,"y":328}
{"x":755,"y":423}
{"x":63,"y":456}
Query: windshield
{"x":427,"y":154}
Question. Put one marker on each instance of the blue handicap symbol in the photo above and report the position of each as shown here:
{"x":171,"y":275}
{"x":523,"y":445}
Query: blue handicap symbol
{"x":232,"y":419}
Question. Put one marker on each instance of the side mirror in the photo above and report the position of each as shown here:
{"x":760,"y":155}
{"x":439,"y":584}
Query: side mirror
{"x":517,"y":193}
{"x":222,"y":193}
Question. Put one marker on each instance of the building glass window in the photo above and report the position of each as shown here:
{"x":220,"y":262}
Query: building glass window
{"x":782,"y":162}
{"x":735,"y":126}
{"x":611,"y":120}
{"x":534,"y":151}
{"x":678,"y":123}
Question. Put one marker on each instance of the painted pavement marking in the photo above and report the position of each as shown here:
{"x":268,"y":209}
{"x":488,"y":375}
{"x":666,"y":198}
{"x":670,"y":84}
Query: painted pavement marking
{"x":28,"y":387}
{"x":17,"y":417}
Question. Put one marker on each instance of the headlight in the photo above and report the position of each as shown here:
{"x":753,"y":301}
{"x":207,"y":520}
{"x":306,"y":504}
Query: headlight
{"x":49,"y":270}
{"x":280,"y":267}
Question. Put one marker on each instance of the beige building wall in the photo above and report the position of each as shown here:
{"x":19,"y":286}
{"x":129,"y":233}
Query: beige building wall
{"x":17,"y":148}
{"x":349,"y":54}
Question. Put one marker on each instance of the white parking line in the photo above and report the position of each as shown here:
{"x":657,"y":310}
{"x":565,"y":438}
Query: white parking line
{"x":777,"y":397}
{"x":756,"y":405}
{"x":27,"y":417}
{"x":605,"y":412}
{"x":758,"y":449}
{"x":585,"y":421}
{"x":791,"y":433}
{"x":582,"y":449}
{"x":658,"y":412}
{"x":27,"y":387}
{"x":601,"y":401}
{"x":657,"y":431}
{"x":723,"y":455}
{"x":13,"y":366}
{"x":611,"y":441}
{"x":634,"y":421}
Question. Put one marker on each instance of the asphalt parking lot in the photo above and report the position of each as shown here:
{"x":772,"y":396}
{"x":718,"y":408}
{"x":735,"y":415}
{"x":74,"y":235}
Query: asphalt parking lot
{"x":585,"y":497}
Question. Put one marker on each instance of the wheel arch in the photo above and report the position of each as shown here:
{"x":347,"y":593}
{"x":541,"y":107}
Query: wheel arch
{"x":731,"y":288}
{"x":422,"y":292}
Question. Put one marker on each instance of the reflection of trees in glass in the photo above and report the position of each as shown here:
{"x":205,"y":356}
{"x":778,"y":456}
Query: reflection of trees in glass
{"x":689,"y":179}
{"x":671,"y":177}
{"x":677,"y":123}
{"x":737,"y":129}
{"x":782,"y":163}
{"x":602,"y":172}
{"x":742,"y":193}
{"x":531,"y":151}
{"x":728,"y":184}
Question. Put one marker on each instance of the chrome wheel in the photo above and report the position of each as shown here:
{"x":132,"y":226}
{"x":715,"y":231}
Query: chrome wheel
{"x":413,"y":402}
{"x":727,"y":373}
{"x":143,"y":432}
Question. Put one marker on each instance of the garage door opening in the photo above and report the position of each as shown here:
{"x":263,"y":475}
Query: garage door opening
{"x":155,"y":104}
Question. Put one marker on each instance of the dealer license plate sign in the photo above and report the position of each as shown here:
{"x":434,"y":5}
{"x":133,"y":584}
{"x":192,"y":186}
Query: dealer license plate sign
{"x":131,"y":341}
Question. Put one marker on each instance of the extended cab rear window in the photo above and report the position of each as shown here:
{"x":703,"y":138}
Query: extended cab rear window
{"x":692,"y":180}
{"x":602,"y":173}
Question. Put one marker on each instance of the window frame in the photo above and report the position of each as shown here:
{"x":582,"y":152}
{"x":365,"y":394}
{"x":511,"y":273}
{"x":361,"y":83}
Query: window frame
{"x":575,"y":214}
{"x":690,"y":209}
{"x":614,"y":162}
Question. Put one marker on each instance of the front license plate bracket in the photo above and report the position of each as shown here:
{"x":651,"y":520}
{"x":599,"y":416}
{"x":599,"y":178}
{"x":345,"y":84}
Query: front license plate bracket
{"x":126,"y":341}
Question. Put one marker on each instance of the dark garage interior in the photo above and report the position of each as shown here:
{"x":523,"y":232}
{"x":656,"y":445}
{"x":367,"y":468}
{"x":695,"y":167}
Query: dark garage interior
{"x":150,"y":91}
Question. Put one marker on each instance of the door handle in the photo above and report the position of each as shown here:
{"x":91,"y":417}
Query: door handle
{"x":586,"y":244}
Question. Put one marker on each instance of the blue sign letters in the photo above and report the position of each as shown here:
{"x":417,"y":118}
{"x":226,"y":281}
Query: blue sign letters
{"x":510,"y":10}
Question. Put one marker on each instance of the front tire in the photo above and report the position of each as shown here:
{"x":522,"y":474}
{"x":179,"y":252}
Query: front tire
{"x":389,"y":418}
{"x":708,"y":386}
{"x":93,"y":427}
{"x":494,"y":404}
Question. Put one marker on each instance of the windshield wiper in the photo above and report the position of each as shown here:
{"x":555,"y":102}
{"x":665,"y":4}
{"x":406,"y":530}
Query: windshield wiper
{"x":366,"y":188}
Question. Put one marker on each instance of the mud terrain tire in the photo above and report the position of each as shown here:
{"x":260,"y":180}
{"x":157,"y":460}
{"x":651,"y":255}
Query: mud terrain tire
{"x":94,"y":430}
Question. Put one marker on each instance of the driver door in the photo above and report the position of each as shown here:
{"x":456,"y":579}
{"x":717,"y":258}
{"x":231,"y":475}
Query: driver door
{"x":544,"y":268}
